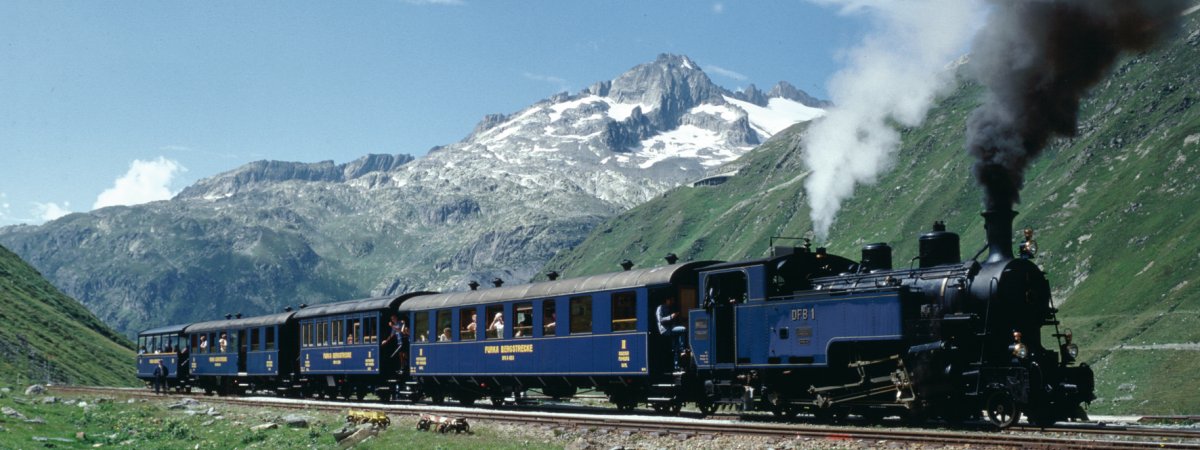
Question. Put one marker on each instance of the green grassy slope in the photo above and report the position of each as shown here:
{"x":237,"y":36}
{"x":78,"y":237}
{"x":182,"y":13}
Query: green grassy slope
{"x":47,"y":335}
{"x":1115,"y":209}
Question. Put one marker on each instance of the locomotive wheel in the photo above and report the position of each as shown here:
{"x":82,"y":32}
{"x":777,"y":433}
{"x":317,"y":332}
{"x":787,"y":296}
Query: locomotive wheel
{"x":830,"y":415}
{"x":1002,"y":410}
{"x":871,"y":415}
{"x":1043,"y":419}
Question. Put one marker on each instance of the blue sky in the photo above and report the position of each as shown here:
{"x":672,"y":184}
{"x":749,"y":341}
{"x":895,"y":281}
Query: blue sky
{"x":188,"y":90}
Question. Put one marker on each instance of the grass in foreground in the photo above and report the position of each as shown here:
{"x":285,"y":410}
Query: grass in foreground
{"x":149,"y":424}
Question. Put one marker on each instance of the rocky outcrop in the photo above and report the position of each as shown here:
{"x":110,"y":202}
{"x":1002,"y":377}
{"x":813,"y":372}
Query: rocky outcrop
{"x":753,"y":95}
{"x":489,"y":121}
{"x":260,"y":173}
{"x":786,"y":90}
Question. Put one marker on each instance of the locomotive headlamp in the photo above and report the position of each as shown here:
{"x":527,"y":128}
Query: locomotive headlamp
{"x":1020,"y":351}
{"x":1073,"y":350}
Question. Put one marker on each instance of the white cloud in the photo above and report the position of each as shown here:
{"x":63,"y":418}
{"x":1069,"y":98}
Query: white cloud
{"x":4,"y":207}
{"x":562,"y":84}
{"x":434,"y":2}
{"x":146,"y":181}
{"x":724,"y":72}
{"x":718,"y":8}
{"x":46,"y":212}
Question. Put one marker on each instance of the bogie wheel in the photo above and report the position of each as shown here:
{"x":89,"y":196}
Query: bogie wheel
{"x":438,"y":398}
{"x":872,"y":416}
{"x":384,"y":396}
{"x":783,"y":411}
{"x":826,"y":415}
{"x":707,"y":408}
{"x":674,"y":407}
{"x":466,"y":401}
{"x":625,"y":405}
{"x":1002,"y":410}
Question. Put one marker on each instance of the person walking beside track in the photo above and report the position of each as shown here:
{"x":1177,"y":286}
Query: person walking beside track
{"x":160,"y":378}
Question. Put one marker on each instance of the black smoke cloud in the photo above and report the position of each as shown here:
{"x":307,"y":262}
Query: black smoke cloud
{"x":1038,"y":58}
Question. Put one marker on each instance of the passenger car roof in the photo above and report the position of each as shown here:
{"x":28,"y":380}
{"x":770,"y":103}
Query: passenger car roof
{"x":350,"y":306}
{"x":245,"y":322}
{"x":169,"y":329}
{"x":547,"y":289}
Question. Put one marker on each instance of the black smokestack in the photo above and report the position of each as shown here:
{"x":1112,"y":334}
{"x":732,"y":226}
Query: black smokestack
{"x":998,"y":225}
{"x":1038,"y":58}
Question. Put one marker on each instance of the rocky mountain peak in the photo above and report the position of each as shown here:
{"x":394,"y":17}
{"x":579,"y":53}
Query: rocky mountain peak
{"x":786,"y":90}
{"x":668,"y":78}
{"x":752,"y":95}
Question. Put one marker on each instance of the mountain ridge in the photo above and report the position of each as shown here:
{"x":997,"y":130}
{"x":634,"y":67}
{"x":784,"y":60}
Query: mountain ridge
{"x":499,"y":203}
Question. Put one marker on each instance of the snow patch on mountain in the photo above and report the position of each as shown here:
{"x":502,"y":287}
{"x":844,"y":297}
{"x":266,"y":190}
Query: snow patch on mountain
{"x":779,"y":113}
{"x":613,"y":109}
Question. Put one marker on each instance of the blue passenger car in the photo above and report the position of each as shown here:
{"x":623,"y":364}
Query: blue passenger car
{"x":240,"y":355}
{"x":347,"y":349}
{"x":555,"y":336}
{"x":169,"y":345}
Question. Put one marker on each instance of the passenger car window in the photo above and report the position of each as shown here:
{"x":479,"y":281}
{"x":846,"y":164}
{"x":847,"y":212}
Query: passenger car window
{"x":581,"y":315}
{"x":467,"y":321}
{"x":523,"y":323}
{"x":549,"y":318}
{"x":353,"y":332}
{"x":624,"y":311}
{"x":254,"y":339}
{"x":270,"y":338}
{"x":496,"y":322}
{"x":443,"y":324}
{"x":371,"y":330}
{"x":338,"y":335}
{"x":421,"y":326}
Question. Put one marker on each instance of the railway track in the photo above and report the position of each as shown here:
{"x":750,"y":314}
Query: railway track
{"x":1083,"y":436}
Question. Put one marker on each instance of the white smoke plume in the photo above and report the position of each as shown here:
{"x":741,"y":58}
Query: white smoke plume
{"x":891,"y":79}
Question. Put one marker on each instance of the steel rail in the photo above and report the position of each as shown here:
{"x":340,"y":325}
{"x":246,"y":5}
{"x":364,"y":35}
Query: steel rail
{"x":694,"y":427}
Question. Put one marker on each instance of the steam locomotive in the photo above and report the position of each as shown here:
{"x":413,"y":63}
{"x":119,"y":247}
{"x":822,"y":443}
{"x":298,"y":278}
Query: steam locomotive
{"x":799,"y":331}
